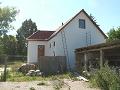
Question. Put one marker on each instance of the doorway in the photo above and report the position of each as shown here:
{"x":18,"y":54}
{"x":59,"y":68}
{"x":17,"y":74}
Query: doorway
{"x":41,"y":50}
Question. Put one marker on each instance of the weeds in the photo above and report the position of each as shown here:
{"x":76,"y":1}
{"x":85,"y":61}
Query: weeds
{"x":106,"y":79}
{"x":15,"y":76}
{"x":32,"y":88}
{"x":57,"y":84}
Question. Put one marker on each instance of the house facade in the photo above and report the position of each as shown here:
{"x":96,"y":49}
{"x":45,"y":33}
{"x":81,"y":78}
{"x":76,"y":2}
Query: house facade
{"x":79,"y":31}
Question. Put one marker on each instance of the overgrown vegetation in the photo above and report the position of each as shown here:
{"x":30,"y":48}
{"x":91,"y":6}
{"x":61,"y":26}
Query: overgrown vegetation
{"x":106,"y":79}
{"x":15,"y":76}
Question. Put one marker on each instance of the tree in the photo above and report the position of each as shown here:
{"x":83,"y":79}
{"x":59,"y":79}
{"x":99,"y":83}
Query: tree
{"x":7,"y":16}
{"x":93,"y":18}
{"x":114,"y":34}
{"x":9,"y":44}
{"x":1,"y":46}
{"x":28,"y":27}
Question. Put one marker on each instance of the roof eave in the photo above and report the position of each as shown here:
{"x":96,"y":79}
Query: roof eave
{"x":37,"y":39}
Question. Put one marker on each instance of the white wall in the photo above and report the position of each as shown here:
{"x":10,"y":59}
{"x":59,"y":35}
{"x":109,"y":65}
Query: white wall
{"x":76,"y":37}
{"x":58,"y":48}
{"x":32,"y":53}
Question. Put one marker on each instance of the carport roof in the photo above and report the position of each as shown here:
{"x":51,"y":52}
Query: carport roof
{"x":106,"y":45}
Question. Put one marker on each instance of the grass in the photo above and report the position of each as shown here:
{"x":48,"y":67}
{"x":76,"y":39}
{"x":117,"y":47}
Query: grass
{"x":15,"y":76}
{"x":19,"y":77}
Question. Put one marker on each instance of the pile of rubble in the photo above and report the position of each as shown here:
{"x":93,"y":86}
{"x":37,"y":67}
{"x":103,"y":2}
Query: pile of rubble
{"x":34,"y":73}
{"x":30,"y":70}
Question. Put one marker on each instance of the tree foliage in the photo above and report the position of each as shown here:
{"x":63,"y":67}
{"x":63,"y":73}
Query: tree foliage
{"x":7,"y":16}
{"x":1,"y":46}
{"x":9,"y":44}
{"x":28,"y":27}
{"x":114,"y":34}
{"x":93,"y":18}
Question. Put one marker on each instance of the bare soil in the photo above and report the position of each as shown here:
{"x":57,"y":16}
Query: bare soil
{"x":68,"y":85}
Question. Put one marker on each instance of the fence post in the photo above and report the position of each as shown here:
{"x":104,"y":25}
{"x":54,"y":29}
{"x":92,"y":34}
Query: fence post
{"x":5,"y":67}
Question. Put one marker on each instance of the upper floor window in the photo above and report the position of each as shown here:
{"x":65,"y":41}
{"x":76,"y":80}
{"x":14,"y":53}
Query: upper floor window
{"x":82,"y":23}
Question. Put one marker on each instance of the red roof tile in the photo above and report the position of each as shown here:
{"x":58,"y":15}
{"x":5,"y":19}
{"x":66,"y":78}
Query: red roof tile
{"x":40,"y":35}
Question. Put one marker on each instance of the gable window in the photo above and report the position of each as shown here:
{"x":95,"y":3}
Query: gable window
{"x":82,"y":23}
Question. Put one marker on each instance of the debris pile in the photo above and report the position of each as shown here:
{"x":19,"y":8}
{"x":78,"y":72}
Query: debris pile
{"x":30,"y":70}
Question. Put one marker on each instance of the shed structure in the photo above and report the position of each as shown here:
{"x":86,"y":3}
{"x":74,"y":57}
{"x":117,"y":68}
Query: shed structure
{"x":96,"y":55}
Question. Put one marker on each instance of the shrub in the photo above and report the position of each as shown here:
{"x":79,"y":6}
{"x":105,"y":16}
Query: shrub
{"x":32,"y":88}
{"x":106,"y":79}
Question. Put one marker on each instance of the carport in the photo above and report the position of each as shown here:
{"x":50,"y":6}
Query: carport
{"x":95,"y":56}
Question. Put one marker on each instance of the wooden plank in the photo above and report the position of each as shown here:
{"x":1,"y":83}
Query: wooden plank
{"x":85,"y":58}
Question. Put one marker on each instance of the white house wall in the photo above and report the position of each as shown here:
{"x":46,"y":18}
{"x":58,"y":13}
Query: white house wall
{"x":76,"y":37}
{"x":58,"y":48}
{"x":33,"y":50}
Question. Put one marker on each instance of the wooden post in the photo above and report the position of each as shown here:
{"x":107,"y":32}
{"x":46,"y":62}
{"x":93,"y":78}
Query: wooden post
{"x":5,"y":67}
{"x":85,"y":58}
{"x":101,"y":58}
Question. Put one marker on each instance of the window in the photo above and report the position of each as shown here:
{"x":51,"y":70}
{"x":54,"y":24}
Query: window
{"x":50,"y":45}
{"x":82,"y":23}
{"x":54,"y":44}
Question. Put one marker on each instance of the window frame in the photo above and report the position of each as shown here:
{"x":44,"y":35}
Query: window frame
{"x":50,"y":45}
{"x":83,"y":22}
{"x":54,"y":43}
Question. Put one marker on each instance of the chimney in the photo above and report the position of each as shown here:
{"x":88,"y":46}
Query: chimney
{"x":62,"y":24}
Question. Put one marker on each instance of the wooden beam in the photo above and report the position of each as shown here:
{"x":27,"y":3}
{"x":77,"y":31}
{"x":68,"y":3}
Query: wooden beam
{"x":98,"y":49}
{"x":101,"y":58}
{"x":93,"y":50}
{"x":111,"y":47}
{"x":86,"y":59}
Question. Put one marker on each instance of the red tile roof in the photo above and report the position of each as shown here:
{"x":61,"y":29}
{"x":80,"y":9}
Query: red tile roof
{"x":40,"y":35}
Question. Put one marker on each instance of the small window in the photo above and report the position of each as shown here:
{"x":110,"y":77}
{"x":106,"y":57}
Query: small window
{"x":54,"y":44}
{"x":82,"y":23}
{"x":50,"y":45}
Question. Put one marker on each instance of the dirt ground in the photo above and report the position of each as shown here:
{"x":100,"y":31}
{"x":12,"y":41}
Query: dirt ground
{"x":68,"y":85}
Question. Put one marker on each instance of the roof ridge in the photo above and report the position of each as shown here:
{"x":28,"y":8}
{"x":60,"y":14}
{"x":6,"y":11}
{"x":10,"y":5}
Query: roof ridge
{"x":67,"y":22}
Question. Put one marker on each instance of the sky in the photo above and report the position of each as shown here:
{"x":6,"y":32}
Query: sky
{"x":49,"y":14}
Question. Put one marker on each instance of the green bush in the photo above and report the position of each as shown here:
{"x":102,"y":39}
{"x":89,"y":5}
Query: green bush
{"x":106,"y":79}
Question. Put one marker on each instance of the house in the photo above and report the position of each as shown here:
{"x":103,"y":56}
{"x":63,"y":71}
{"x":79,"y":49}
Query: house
{"x":79,"y":31}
